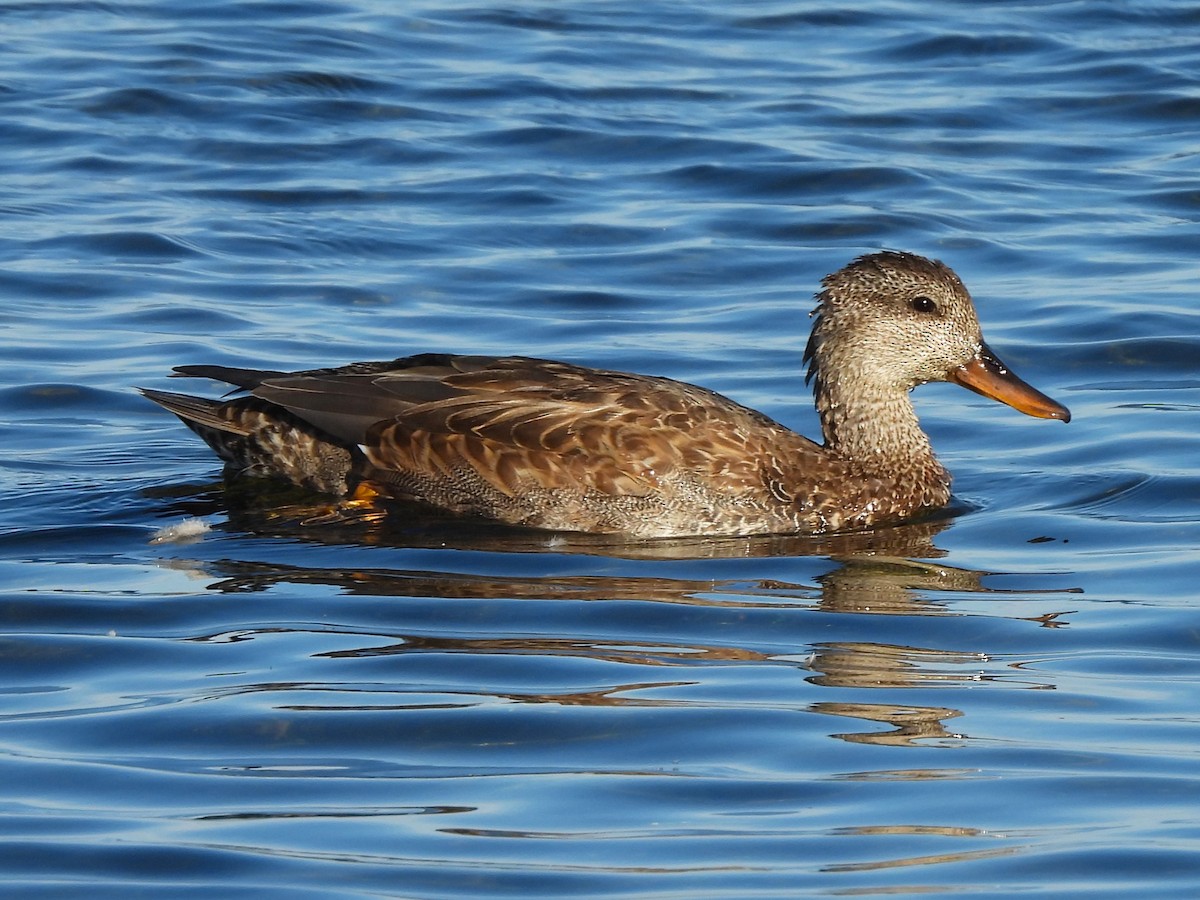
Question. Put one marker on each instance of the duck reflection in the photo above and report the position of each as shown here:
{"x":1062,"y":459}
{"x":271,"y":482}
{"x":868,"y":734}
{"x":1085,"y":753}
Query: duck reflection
{"x":910,"y":724}
{"x":890,"y":572}
{"x":882,"y":571}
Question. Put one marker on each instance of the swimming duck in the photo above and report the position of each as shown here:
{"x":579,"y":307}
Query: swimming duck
{"x":557,"y":446}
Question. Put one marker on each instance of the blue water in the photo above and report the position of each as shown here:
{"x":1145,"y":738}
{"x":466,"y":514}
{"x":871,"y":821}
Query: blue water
{"x":998,"y":704}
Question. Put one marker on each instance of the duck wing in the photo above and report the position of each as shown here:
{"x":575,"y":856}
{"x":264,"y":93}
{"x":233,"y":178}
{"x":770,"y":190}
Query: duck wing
{"x":345,"y":401}
{"x":525,"y":424}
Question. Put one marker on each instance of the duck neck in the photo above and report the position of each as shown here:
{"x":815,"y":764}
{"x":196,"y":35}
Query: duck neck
{"x":875,"y":428}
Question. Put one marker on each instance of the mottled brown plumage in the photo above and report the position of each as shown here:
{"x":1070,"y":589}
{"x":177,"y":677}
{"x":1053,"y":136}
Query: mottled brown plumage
{"x":552,"y":445}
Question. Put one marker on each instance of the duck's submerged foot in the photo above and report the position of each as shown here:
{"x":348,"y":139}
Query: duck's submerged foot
{"x":363,"y":505}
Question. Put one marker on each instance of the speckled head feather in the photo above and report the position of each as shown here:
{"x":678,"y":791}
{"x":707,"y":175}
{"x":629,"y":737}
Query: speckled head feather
{"x":891,"y":301}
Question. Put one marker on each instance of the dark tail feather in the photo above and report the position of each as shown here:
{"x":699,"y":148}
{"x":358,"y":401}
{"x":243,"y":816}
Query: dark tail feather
{"x":196,"y":411}
{"x":245,"y":379}
{"x":259,"y":438}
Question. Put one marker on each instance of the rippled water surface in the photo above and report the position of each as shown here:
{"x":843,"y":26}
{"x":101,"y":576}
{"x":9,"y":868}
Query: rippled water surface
{"x":1000,"y":703}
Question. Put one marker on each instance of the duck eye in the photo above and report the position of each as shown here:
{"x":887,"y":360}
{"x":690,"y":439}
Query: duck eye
{"x":924,"y":304}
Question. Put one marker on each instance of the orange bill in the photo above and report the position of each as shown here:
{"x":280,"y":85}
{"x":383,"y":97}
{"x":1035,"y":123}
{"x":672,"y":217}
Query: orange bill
{"x":986,"y":375}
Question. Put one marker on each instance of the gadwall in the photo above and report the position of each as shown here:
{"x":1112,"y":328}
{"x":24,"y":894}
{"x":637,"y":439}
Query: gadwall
{"x":552,"y":445}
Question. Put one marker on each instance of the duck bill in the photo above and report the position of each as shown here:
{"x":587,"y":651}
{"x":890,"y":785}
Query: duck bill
{"x":987,"y":375}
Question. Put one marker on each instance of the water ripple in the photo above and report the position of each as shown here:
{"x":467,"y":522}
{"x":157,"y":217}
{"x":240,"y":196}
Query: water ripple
{"x":466,"y":710}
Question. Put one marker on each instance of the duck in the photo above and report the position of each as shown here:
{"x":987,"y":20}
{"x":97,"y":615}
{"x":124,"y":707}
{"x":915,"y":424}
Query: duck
{"x":563,"y":447}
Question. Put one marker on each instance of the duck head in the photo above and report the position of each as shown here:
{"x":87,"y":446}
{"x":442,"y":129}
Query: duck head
{"x":890,"y":321}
